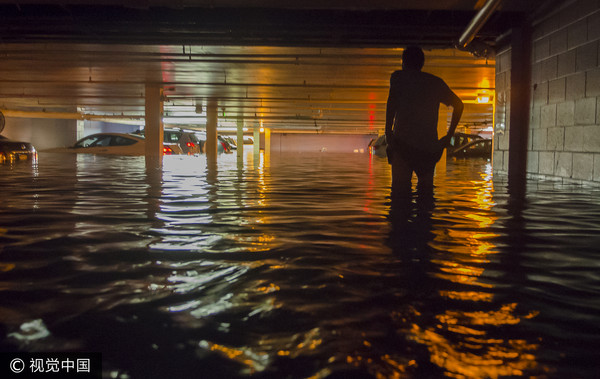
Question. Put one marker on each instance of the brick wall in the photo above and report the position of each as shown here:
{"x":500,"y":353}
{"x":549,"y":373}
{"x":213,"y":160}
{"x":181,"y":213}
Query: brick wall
{"x":564,"y":128}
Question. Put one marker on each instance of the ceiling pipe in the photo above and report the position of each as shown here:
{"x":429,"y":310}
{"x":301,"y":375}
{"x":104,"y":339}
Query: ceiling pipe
{"x":70,"y":116}
{"x":475,"y":26}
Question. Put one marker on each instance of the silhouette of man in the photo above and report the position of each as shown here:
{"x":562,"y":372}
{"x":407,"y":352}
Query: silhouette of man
{"x":411,"y":123}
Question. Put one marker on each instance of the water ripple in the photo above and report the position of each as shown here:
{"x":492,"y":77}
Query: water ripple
{"x":297,"y":266}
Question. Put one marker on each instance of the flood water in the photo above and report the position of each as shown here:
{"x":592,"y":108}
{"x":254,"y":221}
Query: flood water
{"x":297,"y":266}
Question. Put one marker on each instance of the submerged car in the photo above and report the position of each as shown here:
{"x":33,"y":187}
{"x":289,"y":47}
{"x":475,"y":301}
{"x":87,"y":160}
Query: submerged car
{"x":232,"y":143}
{"x":187,"y":141}
{"x":12,"y":151}
{"x":222,"y":145}
{"x":227,"y":143}
{"x":378,"y":146}
{"x":461,"y":139}
{"x":479,"y":148}
{"x":114,"y":143}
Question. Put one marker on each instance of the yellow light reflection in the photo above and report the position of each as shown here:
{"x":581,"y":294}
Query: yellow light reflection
{"x":458,"y":341}
{"x":258,"y":358}
{"x":386,"y":366}
{"x":467,"y":295}
{"x":477,"y":357}
{"x":252,"y":361}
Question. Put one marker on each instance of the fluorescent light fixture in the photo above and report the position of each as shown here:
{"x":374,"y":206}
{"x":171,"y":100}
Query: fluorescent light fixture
{"x":184,"y":120}
{"x":484,"y":98}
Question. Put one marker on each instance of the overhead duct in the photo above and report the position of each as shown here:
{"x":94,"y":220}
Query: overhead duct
{"x":467,"y":40}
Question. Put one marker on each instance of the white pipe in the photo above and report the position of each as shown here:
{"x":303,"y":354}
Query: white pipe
{"x":477,"y":23}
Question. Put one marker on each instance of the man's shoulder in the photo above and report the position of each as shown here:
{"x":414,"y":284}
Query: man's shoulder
{"x":415,"y":75}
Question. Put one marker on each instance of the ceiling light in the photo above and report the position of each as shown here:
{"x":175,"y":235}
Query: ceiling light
{"x":484,"y":98}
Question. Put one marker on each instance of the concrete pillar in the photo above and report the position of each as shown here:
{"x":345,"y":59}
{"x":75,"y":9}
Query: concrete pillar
{"x":211,"y":130}
{"x":240,"y":139}
{"x":267,"y":142}
{"x":256,"y":138}
{"x":154,"y":126}
{"x":256,"y":143}
{"x":520,"y":83}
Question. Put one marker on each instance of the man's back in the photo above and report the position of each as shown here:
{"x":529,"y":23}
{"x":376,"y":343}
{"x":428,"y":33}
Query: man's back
{"x":416,"y":97}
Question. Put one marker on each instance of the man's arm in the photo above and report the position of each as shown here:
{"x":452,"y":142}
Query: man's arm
{"x":457,"y":110}
{"x":390,"y":113}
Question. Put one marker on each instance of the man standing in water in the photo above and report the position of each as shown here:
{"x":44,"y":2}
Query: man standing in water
{"x":411,"y":123}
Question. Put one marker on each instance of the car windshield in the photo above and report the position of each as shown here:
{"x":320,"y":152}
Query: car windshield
{"x":93,"y":141}
{"x":122,"y":141}
{"x":172,"y":136}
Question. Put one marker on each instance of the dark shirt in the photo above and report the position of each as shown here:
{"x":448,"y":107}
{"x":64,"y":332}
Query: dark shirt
{"x":415,"y":98}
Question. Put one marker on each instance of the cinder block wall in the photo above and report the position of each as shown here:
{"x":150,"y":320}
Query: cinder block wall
{"x":564,"y":128}
{"x":501,"y":117}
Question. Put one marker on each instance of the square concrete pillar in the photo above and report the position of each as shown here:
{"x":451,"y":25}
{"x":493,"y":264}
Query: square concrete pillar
{"x":153,"y":130}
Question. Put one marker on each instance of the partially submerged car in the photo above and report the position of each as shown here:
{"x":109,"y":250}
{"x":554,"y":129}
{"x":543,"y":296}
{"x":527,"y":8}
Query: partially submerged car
{"x":187,"y":141}
{"x":461,"y":139}
{"x":479,"y":148}
{"x":378,"y":146}
{"x":13,"y":151}
{"x":113,"y":143}
{"x":222,"y":145}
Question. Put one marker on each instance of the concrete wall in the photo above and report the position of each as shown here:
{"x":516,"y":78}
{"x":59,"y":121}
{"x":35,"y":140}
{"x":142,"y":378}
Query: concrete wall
{"x":42,"y":133}
{"x":331,"y":143}
{"x":564,"y":129}
{"x":91,"y":127}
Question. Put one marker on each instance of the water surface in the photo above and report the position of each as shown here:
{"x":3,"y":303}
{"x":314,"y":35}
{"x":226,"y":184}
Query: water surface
{"x":297,"y":265}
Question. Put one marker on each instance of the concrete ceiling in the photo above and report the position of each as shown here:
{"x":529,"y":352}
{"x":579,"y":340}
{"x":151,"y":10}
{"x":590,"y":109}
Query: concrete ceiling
{"x":313,"y":66}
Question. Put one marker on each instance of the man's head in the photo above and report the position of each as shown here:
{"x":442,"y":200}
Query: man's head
{"x":413,"y":58}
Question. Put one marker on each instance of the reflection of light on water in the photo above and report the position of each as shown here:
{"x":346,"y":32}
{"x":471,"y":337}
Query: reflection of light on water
{"x":251,"y":361}
{"x":31,"y":331}
{"x":193,"y":195}
{"x":257,"y":359}
{"x":467,"y":295}
{"x":476,"y":356}
{"x":262,"y":187}
{"x":458,"y":341}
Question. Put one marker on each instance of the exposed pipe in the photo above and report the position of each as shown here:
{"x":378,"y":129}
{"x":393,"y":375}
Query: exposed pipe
{"x":71,"y":116}
{"x":477,"y":23}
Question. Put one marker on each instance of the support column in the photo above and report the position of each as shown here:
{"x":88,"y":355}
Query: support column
{"x":267,"y":156}
{"x":256,"y":143}
{"x":154,"y":126}
{"x":267,"y":141}
{"x":211,"y":130}
{"x":240,"y":140}
{"x":520,"y":97}
{"x":256,"y":138}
